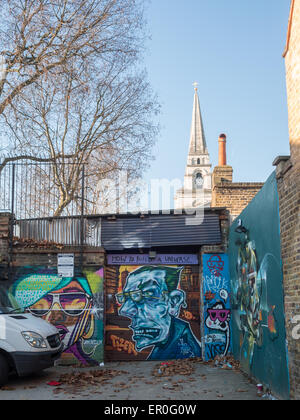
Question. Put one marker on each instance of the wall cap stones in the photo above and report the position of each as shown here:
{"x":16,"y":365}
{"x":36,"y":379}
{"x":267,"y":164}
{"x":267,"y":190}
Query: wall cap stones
{"x":283,"y":165}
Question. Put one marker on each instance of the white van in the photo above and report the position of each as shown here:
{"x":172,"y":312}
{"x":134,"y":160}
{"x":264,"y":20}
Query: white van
{"x":27,"y":344}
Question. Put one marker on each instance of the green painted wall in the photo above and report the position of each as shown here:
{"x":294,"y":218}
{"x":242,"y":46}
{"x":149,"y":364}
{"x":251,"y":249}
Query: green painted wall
{"x":258,"y":324}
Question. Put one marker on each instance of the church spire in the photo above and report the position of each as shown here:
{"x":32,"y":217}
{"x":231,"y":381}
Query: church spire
{"x":197,"y":139}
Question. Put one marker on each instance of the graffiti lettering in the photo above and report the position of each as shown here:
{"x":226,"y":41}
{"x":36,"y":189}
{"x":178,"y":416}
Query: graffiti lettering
{"x":214,"y":284}
{"x":214,"y":350}
{"x":123,"y":345}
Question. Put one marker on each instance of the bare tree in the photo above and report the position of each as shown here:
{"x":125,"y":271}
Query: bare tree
{"x":92,"y":106}
{"x":43,"y":39}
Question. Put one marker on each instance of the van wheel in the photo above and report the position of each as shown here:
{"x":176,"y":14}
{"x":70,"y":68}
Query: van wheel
{"x":4,"y":369}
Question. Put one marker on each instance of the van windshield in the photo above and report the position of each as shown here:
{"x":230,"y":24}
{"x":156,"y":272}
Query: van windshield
{"x":8,"y":304}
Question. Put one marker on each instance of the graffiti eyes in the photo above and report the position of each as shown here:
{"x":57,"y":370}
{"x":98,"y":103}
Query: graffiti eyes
{"x":221,"y":315}
{"x":136,"y":296}
{"x":73,"y":304}
{"x":38,"y":312}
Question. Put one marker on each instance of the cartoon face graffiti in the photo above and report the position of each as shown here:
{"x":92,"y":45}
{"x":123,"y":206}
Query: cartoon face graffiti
{"x":152,"y":301}
{"x":66,"y":308}
{"x":149,"y":304}
{"x":218,"y":317}
{"x":66,"y":303}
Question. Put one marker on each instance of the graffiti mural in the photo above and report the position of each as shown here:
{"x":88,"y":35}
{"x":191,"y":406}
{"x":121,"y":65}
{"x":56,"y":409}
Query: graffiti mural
{"x":216,"y":292}
{"x":256,"y":314}
{"x":153,"y":313}
{"x":73,"y":305}
{"x":258,"y":322}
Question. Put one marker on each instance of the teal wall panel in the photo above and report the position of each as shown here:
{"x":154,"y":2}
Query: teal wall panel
{"x":258,"y":321}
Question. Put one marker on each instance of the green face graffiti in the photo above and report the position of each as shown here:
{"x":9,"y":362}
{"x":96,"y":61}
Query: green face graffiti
{"x":149,"y":302}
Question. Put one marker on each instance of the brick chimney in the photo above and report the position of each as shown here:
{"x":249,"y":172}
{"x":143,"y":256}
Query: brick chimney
{"x":222,"y":150}
{"x":222,"y":172}
{"x":234,"y":196}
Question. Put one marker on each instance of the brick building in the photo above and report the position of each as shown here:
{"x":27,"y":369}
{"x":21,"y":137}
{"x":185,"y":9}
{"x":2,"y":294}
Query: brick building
{"x":288,"y":178}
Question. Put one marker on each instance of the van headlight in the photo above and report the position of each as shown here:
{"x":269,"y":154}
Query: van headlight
{"x":34,"y":339}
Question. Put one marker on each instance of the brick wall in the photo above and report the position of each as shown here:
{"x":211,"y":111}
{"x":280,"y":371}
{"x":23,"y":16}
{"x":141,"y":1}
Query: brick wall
{"x":23,"y":256}
{"x":288,"y":176}
{"x":289,"y":199}
{"x":234,"y":196}
{"x":223,"y":247}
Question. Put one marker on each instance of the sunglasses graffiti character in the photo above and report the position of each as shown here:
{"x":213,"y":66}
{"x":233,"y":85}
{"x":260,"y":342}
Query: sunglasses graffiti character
{"x":66,"y":303}
{"x":218,"y":319}
{"x":152,"y":301}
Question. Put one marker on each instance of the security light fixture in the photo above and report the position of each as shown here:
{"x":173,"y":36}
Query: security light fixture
{"x":240,"y":228}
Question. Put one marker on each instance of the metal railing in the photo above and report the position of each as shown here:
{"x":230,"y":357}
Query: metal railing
{"x":31,"y":193}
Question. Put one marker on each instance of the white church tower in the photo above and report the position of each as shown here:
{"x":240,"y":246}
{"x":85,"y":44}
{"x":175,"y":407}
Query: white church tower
{"x":197,"y":190}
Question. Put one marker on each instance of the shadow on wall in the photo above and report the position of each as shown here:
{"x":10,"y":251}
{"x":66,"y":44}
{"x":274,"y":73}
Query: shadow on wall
{"x":73,"y":305}
{"x":258,"y":324}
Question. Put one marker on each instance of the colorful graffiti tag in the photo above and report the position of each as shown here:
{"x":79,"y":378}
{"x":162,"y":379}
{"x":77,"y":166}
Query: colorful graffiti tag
{"x":73,"y":305}
{"x":153,"y":316}
{"x":216,"y":292}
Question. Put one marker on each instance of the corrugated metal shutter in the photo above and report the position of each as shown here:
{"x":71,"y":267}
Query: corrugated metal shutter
{"x":66,"y":230}
{"x":161,"y":230}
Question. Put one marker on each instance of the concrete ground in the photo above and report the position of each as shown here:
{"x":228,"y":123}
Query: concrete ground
{"x":135,"y":381}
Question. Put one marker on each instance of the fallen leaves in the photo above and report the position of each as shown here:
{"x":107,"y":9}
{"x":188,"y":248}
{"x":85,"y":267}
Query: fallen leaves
{"x":32,"y":243}
{"x":76,"y":382}
{"x":178,"y":367}
{"x":92,"y":377}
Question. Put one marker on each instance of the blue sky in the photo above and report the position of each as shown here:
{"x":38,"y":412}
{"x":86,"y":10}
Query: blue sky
{"x":233,"y":49}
